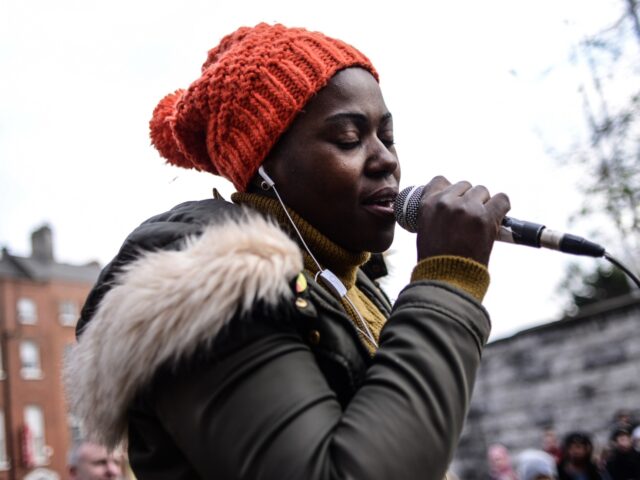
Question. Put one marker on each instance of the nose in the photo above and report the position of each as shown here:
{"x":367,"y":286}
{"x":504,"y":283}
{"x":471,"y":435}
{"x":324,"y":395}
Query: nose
{"x":113,"y":470}
{"x":382,"y":160}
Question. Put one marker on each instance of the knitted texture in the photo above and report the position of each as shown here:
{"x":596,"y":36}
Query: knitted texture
{"x":253,"y":84}
{"x":340,"y":261}
{"x":463,"y":273}
{"x":370,"y":313}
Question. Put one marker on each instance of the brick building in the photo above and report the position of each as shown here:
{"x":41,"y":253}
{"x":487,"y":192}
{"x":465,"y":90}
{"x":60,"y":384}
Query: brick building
{"x":39,"y":305}
{"x":572,"y":374}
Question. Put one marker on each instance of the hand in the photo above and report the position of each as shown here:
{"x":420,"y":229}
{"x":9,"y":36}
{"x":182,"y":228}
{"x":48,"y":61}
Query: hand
{"x":459,"y":219}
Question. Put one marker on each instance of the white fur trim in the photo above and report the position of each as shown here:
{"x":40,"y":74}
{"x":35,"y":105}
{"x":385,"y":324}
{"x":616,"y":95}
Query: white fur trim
{"x":166,"y":304}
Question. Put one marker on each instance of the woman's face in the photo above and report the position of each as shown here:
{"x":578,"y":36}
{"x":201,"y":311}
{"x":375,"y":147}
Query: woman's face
{"x":336,"y":165}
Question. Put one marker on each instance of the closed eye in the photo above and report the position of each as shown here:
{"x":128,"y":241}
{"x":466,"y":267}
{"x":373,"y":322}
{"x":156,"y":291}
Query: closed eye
{"x":348,"y":145}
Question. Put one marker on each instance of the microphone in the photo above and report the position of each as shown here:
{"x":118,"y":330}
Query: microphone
{"x":512,"y":230}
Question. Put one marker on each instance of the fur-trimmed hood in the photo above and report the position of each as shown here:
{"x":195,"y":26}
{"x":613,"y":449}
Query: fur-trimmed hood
{"x":167,"y":303}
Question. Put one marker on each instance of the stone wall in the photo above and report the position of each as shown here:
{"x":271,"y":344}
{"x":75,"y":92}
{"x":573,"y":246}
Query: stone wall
{"x":572,"y":374}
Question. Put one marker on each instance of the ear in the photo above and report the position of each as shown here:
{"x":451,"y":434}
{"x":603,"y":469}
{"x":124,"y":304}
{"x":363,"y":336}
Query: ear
{"x":278,"y":158}
{"x":255,"y":185}
{"x":261,"y":183}
{"x":267,"y":183}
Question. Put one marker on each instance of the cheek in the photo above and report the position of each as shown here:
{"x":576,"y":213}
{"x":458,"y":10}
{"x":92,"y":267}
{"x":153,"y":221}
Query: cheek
{"x":336,"y":177}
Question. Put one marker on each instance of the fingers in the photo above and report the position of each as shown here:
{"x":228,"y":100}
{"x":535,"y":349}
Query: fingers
{"x":464,"y":188}
{"x":478,"y":193}
{"x":436,"y":185}
{"x":459,"y":219}
{"x":499,"y":205}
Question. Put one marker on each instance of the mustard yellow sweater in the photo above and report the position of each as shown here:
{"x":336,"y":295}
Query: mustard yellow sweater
{"x":462,"y":273}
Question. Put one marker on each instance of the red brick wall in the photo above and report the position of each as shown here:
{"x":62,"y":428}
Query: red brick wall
{"x":47,"y":392}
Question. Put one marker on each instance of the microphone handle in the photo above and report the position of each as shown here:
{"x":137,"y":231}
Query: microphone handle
{"x":512,"y":230}
{"x":535,"y":235}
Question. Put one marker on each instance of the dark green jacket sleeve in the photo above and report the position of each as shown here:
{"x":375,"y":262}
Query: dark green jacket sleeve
{"x":266,"y":412}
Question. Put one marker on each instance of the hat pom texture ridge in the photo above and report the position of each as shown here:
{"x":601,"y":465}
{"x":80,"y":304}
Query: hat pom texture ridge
{"x":161,"y":130}
{"x":253,"y":85}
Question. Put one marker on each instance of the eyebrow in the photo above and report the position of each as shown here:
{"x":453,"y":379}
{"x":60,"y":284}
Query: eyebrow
{"x":355,"y":117}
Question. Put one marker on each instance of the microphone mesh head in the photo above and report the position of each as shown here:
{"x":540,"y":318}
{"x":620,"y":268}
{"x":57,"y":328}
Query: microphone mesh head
{"x":406,"y":207}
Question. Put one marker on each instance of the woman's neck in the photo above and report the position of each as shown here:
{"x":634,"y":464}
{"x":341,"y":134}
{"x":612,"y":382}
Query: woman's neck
{"x":330,"y":255}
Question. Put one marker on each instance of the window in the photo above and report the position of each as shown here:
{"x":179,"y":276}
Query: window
{"x":27,"y":311}
{"x":34,"y":423}
{"x":68,"y":313}
{"x":30,"y":360}
{"x":4,"y":461}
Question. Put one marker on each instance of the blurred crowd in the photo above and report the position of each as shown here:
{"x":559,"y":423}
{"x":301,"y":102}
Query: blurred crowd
{"x":575,"y":457}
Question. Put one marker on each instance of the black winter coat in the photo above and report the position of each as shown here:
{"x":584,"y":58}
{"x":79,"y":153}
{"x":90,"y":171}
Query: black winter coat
{"x":196,"y":344}
{"x":624,"y":465}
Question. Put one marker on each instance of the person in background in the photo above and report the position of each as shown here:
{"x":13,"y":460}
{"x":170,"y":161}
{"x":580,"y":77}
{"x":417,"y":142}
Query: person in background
{"x":635,"y":438}
{"x":551,"y":444}
{"x":536,"y":465}
{"x":90,"y":461}
{"x":577,"y":462}
{"x":623,"y":419}
{"x":623,"y":462}
{"x":499,"y":460}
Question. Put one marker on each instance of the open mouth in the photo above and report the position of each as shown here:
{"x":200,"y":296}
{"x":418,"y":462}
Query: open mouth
{"x":386,"y":202}
{"x":382,"y":202}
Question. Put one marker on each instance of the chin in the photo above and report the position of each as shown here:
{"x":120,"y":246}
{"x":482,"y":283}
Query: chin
{"x":383,"y":242}
{"x":376,"y":238}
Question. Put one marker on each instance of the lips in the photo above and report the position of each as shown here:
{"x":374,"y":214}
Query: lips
{"x":381,"y":201}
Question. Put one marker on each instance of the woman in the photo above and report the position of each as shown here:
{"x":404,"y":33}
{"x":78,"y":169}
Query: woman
{"x":221,"y":344}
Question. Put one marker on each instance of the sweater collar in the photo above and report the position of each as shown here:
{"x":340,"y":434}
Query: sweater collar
{"x":341,"y":262}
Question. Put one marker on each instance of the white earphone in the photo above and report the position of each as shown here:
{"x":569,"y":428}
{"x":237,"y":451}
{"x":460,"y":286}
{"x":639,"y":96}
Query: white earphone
{"x":267,"y":181}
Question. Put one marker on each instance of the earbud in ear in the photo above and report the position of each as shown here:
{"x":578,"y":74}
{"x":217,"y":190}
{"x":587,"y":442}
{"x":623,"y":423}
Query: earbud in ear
{"x":267,"y":182}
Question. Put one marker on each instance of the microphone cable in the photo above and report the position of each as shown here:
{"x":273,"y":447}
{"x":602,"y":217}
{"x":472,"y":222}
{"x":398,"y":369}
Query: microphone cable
{"x":621,"y":266}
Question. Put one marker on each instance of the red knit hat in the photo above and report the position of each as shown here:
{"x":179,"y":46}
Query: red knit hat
{"x":253,"y":85}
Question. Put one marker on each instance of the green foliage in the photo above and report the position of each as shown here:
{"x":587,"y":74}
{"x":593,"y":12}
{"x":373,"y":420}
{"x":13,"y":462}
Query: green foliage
{"x":612,"y":160}
{"x":587,"y":288}
{"x":611,"y":154}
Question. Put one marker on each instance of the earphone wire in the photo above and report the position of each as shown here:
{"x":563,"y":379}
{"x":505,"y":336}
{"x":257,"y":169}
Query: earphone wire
{"x":293,"y":224}
{"x":366,"y":332}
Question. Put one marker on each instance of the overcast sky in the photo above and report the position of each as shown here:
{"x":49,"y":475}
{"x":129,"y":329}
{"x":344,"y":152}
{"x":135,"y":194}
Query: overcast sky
{"x":481,"y":91}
